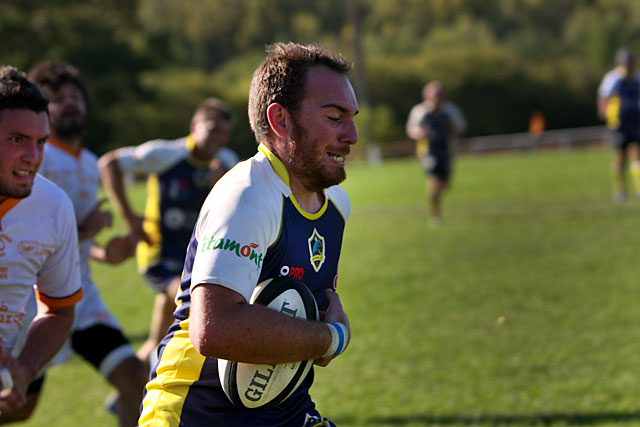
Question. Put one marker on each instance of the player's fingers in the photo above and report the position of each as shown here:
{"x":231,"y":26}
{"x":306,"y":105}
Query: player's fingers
{"x":333,"y":298}
{"x":99,"y":204}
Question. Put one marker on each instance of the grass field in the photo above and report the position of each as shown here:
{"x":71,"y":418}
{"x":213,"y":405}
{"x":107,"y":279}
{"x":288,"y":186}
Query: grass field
{"x":522,"y":309}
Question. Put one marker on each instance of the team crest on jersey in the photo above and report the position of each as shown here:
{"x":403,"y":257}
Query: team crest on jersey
{"x":316,"y":250}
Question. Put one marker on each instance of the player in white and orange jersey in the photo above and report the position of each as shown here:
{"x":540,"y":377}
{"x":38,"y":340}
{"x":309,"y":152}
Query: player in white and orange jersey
{"x":96,"y":334}
{"x":38,"y":245}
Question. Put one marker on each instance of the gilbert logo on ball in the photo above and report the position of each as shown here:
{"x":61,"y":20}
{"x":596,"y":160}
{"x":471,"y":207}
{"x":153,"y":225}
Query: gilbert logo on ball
{"x":254,"y":386}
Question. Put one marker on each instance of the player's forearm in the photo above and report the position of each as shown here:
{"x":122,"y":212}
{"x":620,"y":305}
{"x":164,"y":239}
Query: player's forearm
{"x":255,"y":334}
{"x":46,"y":334}
{"x":415,"y":132}
{"x":113,"y":182}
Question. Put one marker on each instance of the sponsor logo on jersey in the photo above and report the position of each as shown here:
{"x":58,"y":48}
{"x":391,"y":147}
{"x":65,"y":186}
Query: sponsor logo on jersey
{"x":316,"y":250}
{"x":297,"y":272}
{"x":7,"y":317}
{"x":241,"y":251}
{"x":33,"y":248}
{"x":4,"y":272}
{"x":4,"y":239}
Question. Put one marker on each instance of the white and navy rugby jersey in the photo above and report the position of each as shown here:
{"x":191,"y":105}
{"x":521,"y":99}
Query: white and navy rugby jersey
{"x":177,"y":186}
{"x":38,"y":245}
{"x":250,"y":228}
{"x":623,"y":98}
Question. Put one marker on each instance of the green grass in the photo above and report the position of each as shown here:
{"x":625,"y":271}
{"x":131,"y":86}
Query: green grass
{"x":520,"y":310}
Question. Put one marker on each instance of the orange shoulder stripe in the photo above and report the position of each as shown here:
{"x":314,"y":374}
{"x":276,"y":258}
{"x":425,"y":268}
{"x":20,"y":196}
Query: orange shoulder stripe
{"x":60,"y":302}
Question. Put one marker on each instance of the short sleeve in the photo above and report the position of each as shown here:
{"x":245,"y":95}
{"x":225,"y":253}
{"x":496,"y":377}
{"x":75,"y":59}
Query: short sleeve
{"x":227,"y":157}
{"x":59,"y":278}
{"x":237,"y":225}
{"x":459,"y":122}
{"x":151,"y":156}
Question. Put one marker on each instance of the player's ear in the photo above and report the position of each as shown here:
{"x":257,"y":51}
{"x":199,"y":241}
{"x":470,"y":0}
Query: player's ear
{"x":279,"y":119}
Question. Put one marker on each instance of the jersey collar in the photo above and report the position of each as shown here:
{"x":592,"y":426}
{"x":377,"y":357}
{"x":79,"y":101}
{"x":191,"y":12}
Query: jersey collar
{"x":190,"y":145}
{"x":281,"y":170}
{"x":64,"y":147}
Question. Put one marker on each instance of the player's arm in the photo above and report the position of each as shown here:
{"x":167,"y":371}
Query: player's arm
{"x":117,"y":250}
{"x":602,"y":107}
{"x":94,"y":222}
{"x":414,"y":128}
{"x":222,"y":324}
{"x":46,"y":334}
{"x":113,"y":182}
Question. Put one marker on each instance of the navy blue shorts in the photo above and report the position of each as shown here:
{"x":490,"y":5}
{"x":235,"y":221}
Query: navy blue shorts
{"x":626,"y":135}
{"x":438,"y":165}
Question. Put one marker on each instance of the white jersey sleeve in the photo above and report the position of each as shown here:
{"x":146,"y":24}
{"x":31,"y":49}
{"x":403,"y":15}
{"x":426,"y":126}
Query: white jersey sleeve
{"x":60,"y":274}
{"x":239,"y":221}
{"x":608,"y":83}
{"x":152,"y":156}
{"x":415,"y":117}
{"x":457,"y":118}
{"x":227,"y":157}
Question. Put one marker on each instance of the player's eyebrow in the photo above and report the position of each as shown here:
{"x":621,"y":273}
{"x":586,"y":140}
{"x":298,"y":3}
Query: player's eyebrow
{"x":339,"y":108}
{"x":22,"y":135}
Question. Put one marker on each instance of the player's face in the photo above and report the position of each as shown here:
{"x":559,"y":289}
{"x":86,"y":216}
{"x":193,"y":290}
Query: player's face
{"x":434,"y":94}
{"x":210,"y":130}
{"x":67,"y":110}
{"x":324,"y":130}
{"x":23,"y":134}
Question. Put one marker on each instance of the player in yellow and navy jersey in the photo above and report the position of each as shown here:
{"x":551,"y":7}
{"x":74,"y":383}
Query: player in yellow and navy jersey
{"x":180,"y":174}
{"x":435,"y":124}
{"x":279,"y":213}
{"x":619,"y":106}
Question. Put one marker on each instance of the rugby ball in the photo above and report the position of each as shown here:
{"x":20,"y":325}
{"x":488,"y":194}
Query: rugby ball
{"x":254,"y":386}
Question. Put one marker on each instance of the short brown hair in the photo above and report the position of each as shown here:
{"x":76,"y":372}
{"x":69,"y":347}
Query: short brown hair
{"x":52,"y":74}
{"x":17,"y":91}
{"x":215,"y":104}
{"x":282,"y":76}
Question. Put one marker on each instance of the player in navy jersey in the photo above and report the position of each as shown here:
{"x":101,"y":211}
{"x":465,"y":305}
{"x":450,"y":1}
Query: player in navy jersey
{"x":279,"y":213}
{"x":619,"y":107}
{"x":180,"y":174}
{"x":435,"y":123}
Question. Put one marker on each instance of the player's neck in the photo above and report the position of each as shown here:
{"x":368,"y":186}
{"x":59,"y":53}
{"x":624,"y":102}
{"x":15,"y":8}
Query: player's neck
{"x":73,"y":143}
{"x":309,"y":201}
{"x":203,"y":155}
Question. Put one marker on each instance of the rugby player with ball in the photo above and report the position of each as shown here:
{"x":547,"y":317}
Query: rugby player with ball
{"x":279,"y":214}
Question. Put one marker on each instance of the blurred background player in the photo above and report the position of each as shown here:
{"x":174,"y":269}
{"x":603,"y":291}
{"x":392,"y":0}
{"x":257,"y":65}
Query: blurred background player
{"x":435,"y":124}
{"x":96,"y":334}
{"x":619,"y":107}
{"x":180,"y":173}
{"x":301,"y":109}
{"x":38,"y":245}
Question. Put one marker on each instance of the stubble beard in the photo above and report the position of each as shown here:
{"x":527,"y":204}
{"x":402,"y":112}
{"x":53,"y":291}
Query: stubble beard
{"x":67,"y":128}
{"x":308,"y":165}
{"x":13,"y":193}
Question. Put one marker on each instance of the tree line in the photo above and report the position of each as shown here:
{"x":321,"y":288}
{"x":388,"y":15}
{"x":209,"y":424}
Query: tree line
{"x":148,"y":63}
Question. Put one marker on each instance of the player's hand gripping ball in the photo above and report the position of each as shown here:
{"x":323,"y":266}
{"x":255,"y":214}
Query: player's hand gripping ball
{"x":255,"y":386}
